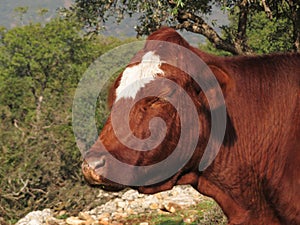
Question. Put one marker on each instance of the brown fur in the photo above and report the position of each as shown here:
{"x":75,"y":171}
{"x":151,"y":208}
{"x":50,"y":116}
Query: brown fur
{"x":255,"y":177}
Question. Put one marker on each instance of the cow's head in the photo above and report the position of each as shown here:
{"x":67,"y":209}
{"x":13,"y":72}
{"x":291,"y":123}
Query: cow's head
{"x":160,"y":119}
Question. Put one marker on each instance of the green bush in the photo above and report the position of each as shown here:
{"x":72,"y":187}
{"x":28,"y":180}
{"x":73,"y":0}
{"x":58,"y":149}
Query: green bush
{"x":40,"y":67}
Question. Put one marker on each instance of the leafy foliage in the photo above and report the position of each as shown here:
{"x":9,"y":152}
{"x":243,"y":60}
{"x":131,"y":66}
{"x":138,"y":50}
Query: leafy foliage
{"x":40,"y":66}
{"x":152,"y":13}
{"x":264,"y":35}
{"x":190,"y":15}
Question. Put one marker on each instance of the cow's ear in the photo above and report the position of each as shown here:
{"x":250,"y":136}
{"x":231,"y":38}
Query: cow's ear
{"x":225,"y":81}
{"x":212,"y":94}
{"x":227,"y":85}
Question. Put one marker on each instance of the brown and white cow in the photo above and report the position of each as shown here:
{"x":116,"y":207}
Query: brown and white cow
{"x":255,"y":176}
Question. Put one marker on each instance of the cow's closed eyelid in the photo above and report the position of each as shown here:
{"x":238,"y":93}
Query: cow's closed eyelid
{"x":154,"y":102}
{"x":167,"y":94}
{"x":159,"y":102}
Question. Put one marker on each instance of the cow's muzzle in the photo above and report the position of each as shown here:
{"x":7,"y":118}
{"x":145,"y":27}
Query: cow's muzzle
{"x":90,"y":174}
{"x":89,"y":170}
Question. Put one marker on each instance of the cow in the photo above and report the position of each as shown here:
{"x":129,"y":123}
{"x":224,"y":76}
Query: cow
{"x":254,"y":175}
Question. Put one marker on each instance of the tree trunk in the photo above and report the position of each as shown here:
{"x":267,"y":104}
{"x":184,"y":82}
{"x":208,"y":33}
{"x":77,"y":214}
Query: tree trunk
{"x":296,"y":28}
{"x":295,"y":17}
{"x":241,"y":37}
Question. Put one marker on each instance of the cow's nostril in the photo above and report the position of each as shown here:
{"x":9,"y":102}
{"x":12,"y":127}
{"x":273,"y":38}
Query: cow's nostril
{"x":94,"y":163}
{"x":100,"y":163}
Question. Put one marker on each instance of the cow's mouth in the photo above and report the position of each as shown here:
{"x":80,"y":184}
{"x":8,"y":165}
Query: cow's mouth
{"x":94,"y":179}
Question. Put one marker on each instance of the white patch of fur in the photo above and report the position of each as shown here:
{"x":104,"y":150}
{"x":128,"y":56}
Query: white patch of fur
{"x":136,"y":77}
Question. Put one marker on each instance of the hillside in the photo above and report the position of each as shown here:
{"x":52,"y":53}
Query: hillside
{"x":9,"y":18}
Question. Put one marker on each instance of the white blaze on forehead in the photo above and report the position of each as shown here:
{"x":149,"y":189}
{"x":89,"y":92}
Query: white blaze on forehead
{"x":136,"y":77}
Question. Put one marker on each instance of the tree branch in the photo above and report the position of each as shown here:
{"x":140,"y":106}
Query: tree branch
{"x":196,"y":24}
{"x":267,"y":9}
{"x":20,"y":129}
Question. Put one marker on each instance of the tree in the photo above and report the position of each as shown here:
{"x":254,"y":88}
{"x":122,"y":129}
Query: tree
{"x":188,"y":15}
{"x":286,"y":9}
{"x":264,"y":35}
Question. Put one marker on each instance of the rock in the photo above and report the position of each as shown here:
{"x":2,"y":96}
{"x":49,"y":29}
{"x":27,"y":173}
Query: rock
{"x":104,"y":221}
{"x":130,"y":211}
{"x":62,"y":213}
{"x":132,"y":202}
{"x":75,"y":221}
{"x":118,"y":216}
{"x":36,"y":218}
{"x":103,"y":215}
{"x":85,"y":216}
{"x":89,"y":220}
{"x":116,"y":223}
{"x":154,"y":206}
{"x":34,"y":222}
{"x":162,"y":212}
{"x":188,"y":220}
{"x":130,"y":195}
{"x":121,"y":204}
{"x":54,"y":221}
{"x":172,"y":207}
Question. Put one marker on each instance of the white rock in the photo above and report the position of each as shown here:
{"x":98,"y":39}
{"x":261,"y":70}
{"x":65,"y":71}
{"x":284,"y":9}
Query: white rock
{"x":132,"y":202}
{"x":84,"y":216}
{"x":172,"y":207}
{"x":74,"y":221}
{"x":130,"y":195}
{"x":34,"y":222}
{"x":121,"y":204}
{"x":117,"y":215}
{"x":36,"y":218}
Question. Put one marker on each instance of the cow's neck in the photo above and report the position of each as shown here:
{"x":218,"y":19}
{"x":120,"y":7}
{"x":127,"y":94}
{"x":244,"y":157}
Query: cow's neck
{"x":244,"y":170}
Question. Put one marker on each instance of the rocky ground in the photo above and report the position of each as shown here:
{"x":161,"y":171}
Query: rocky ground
{"x":123,"y":206}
